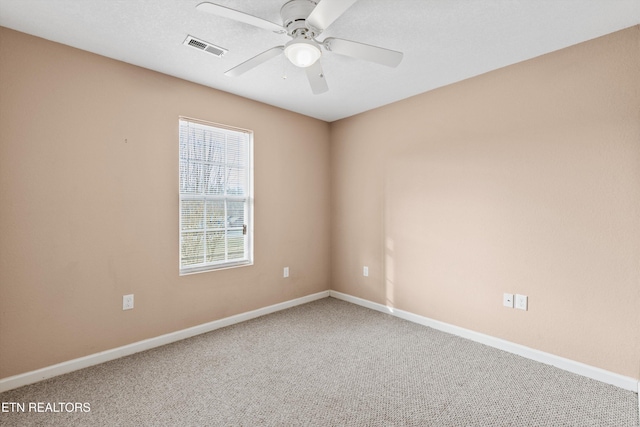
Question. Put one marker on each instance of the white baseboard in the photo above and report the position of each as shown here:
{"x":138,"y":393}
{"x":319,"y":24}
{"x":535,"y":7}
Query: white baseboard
{"x":27,"y":378}
{"x":588,"y":371}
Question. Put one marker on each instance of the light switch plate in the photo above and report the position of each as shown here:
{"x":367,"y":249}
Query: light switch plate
{"x":507,"y":300}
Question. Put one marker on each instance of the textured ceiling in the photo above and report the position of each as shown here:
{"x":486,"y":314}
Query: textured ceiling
{"x":444,"y":41}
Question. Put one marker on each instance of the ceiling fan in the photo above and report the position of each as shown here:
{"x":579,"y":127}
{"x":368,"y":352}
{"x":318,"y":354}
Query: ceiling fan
{"x":303,"y":21}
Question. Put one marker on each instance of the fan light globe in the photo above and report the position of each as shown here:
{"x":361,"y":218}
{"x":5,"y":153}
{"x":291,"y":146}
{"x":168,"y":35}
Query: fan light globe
{"x":302,"y":52}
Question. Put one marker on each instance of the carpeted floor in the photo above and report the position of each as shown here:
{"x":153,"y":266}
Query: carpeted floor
{"x":327,"y":363}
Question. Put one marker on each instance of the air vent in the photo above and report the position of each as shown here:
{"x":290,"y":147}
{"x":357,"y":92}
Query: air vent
{"x":205,"y":46}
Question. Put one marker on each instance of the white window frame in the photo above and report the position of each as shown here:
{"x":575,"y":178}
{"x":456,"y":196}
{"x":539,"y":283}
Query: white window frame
{"x":247,"y":198}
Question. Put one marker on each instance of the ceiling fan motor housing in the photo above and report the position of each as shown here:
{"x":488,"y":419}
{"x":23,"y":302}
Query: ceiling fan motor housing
{"x":294,"y":14}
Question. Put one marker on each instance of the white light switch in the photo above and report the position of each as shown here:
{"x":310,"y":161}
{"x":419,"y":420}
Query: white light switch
{"x":507,"y":300}
{"x":286,"y":272}
{"x":365,"y":271}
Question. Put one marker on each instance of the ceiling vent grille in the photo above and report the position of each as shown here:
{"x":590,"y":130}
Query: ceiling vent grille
{"x":205,"y":46}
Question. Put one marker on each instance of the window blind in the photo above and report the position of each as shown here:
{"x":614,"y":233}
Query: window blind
{"x":215,"y":196}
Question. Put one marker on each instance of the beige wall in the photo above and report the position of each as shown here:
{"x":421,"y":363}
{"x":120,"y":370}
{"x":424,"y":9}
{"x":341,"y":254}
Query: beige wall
{"x":524,"y":180}
{"x":86,"y":218}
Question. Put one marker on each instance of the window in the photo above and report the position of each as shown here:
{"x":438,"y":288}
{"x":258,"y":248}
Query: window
{"x":216,"y":196}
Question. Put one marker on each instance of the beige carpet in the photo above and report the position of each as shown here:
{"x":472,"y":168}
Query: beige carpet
{"x":327,"y":363}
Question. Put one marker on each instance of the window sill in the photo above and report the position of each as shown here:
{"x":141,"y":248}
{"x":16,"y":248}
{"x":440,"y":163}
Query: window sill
{"x":209,"y":268}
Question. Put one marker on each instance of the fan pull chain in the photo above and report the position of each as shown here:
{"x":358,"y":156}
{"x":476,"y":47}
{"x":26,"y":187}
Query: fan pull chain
{"x":284,"y":67}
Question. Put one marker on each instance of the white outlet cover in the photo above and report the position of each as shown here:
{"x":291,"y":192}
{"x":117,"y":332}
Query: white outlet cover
{"x":507,"y":300}
{"x":521,"y":302}
{"x":127,"y":302}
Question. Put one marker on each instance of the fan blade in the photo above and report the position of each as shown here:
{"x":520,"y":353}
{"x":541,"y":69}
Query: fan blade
{"x":254,"y":62}
{"x":328,"y":11}
{"x":236,"y":15}
{"x":316,"y":78}
{"x":390,"y":58}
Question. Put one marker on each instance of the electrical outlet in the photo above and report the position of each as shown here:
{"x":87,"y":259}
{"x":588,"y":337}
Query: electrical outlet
{"x":507,"y":300}
{"x":285,"y":272}
{"x":127,"y":302}
{"x":521,"y":302}
{"x":365,"y":271}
